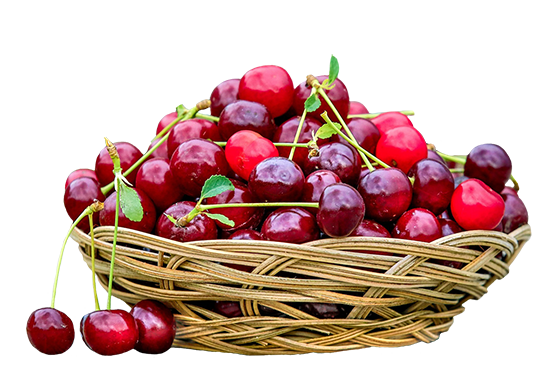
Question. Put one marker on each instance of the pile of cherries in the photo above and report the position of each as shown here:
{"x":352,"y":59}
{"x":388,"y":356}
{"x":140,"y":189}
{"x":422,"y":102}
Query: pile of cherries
{"x":298,"y":172}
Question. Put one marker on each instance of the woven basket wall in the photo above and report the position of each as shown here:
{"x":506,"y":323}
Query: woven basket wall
{"x":391,"y":301}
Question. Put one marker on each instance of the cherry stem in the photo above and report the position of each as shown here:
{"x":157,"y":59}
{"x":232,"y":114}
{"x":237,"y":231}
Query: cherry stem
{"x":374,"y":115}
{"x":204,"y":116}
{"x":92,"y":254}
{"x":299,"y":129}
{"x":278,"y":144}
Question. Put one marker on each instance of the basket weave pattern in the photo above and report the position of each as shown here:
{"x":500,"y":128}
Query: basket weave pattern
{"x":392,"y":300}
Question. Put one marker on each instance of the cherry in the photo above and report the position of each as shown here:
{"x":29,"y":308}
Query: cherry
{"x":128,"y":153}
{"x":387,"y":194}
{"x":449,"y":227}
{"x":276,"y":179}
{"x":341,"y":209}
{"x":245,"y":234}
{"x":314,"y":185}
{"x":245,"y":149}
{"x":110,"y":332}
{"x":459,"y":180}
{"x":244,"y":217}
{"x":79,"y":194}
{"x":199,"y":228}
{"x":323,"y":310}
{"x":338,"y":158}
{"x":166,"y":120}
{"x":82,"y":172}
{"x":286,"y":133}
{"x":194,"y":161}
{"x":228,"y":309}
{"x":224,"y":94}
{"x":155,"y":178}
{"x":50,"y":331}
{"x":391,"y":120}
{"x":365,"y":132}
{"x":291,"y":225}
{"x":246,"y":115}
{"x":401,"y":147}
{"x":371,"y":228}
{"x":147,"y":223}
{"x":435,"y":156}
{"x":338,"y":96}
{"x":509,"y":190}
{"x":191,"y":129}
{"x":156,"y":326}
{"x":355,"y":107}
{"x":489,"y":163}
{"x":515,"y":213}
{"x":475,"y":206}
{"x":270,"y":86}
{"x":433,"y":185}
{"x":417,"y":224}
{"x":160,"y":152}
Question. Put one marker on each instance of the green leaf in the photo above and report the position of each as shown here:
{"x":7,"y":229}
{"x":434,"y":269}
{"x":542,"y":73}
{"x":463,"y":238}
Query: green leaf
{"x":326,"y":131}
{"x":221,"y":218}
{"x":215,"y":185}
{"x":312,"y":103}
{"x":334,"y":70}
{"x":180,"y":109}
{"x":130,"y":203}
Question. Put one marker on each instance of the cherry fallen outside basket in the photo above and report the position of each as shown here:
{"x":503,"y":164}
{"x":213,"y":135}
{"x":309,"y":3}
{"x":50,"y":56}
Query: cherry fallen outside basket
{"x":393,"y":301}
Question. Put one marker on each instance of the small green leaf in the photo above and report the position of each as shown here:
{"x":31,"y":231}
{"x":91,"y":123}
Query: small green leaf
{"x":180,"y":110}
{"x":215,"y":185}
{"x":220,"y":218}
{"x":334,"y":70}
{"x":326,"y":131}
{"x":312,"y":103}
{"x":130,"y":203}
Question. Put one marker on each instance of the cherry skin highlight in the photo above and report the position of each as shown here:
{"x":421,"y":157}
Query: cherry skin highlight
{"x":110,"y":332}
{"x":156,"y":326}
{"x":83,"y":172}
{"x":245,"y":149}
{"x":417,"y":224}
{"x":338,"y":158}
{"x":224,"y":94}
{"x":50,"y":331}
{"x":341,"y":209}
{"x":291,"y":225}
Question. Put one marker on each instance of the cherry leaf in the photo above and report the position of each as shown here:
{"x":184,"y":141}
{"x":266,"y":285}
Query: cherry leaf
{"x":215,"y":185}
{"x":220,"y":218}
{"x":326,"y":131}
{"x":334,"y":70}
{"x":180,"y":110}
{"x":312,"y":103}
{"x":130,"y":203}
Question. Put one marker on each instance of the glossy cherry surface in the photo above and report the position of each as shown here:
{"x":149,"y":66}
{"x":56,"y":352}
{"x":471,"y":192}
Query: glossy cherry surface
{"x":82,"y":172}
{"x":433,"y":185}
{"x":291,"y":225}
{"x":355,"y":107}
{"x":246,"y":115}
{"x":199,"y":228}
{"x":192,"y":129}
{"x":110,"y":332}
{"x":128,"y":154}
{"x":194,"y":161}
{"x":160,"y":152}
{"x":338,"y":158}
{"x":515,"y":213}
{"x":338,"y":95}
{"x":401,"y":147}
{"x":387,"y":194}
{"x":391,"y":120}
{"x":269,"y":85}
{"x":155,"y":178}
{"x":156,"y":326}
{"x":277,"y":179}
{"x":417,"y":224}
{"x":80,"y":194}
{"x":50,"y":331}
{"x":286,"y":133}
{"x":341,"y":209}
{"x":314,"y":185}
{"x":489,"y":163}
{"x":365,"y":132}
{"x":224,"y":94}
{"x":147,"y":223}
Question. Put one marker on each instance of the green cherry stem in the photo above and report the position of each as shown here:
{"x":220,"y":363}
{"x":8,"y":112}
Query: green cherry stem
{"x":278,"y":144}
{"x":374,"y":115}
{"x":298,"y":132}
{"x":92,"y":254}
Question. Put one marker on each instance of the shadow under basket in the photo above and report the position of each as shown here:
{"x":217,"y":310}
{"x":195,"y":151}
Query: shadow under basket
{"x":388,"y":300}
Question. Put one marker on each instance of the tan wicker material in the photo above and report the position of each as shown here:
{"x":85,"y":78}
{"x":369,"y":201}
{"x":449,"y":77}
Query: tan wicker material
{"x":394,"y":300}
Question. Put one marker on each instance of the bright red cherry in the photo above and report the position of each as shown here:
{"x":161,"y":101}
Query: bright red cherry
{"x":245,"y":149}
{"x":475,"y":206}
{"x":156,"y":326}
{"x":355,"y":107}
{"x":110,"y":332}
{"x":417,"y":224}
{"x":270,"y":86}
{"x":147,"y":223}
{"x":224,"y":94}
{"x":155,"y":178}
{"x":50,"y":331}
{"x":341,"y":209}
{"x":401,"y":147}
{"x":192,"y":129}
{"x":338,"y":96}
{"x":128,"y":154}
{"x":83,"y":172}
{"x":391,"y":120}
{"x":246,"y":115}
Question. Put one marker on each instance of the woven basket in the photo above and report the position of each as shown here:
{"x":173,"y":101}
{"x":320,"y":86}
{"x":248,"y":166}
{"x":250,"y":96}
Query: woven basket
{"x":393,"y":301}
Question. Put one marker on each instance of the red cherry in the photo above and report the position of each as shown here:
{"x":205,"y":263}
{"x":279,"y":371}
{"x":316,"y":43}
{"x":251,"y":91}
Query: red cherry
{"x":50,"y":331}
{"x":128,"y":154}
{"x":401,"y":147}
{"x":246,"y":115}
{"x":286,"y":133}
{"x":270,"y":86}
{"x":156,"y":326}
{"x":417,"y":224}
{"x":475,"y":206}
{"x":341,"y":209}
{"x":191,"y":129}
{"x":147,"y":223}
{"x":365,"y":132}
{"x":109,"y":332}
{"x":80,"y":194}
{"x":315,"y":184}
{"x":371,"y":228}
{"x":291,"y":225}
{"x":245,"y":149}
{"x":160,"y":152}
{"x":155,"y":178}
{"x":355,"y":107}
{"x":199,"y":228}
{"x":83,"y":172}
{"x":224,"y":94}
{"x":166,"y":120}
{"x":391,"y":120}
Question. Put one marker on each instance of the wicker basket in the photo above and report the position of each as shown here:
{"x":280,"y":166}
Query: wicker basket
{"x":393,"y":301}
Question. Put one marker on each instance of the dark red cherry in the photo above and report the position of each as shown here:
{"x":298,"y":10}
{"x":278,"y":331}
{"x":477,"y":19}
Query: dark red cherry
{"x":83,"y":172}
{"x":371,"y":228}
{"x":160,"y":152}
{"x":338,"y":158}
{"x":286,"y":133}
{"x":224,"y":94}
{"x":194,"y":162}
{"x":435,"y":156}
{"x":50,"y":331}
{"x":228,"y":309}
{"x":323,"y":310}
{"x":80,"y":194}
{"x":433,"y":185}
{"x":246,"y":115}
{"x":155,"y":178}
{"x":449,"y":227}
{"x":166,"y":120}
{"x":276,"y":179}
{"x":245,"y":234}
{"x":341,"y":209}
{"x":110,"y":332}
{"x":291,"y":225}
{"x":192,"y":129}
{"x":401,"y":147}
{"x":490,"y":164}
{"x":387,"y":194}
{"x":509,"y":190}
{"x":128,"y":154}
{"x":391,"y":120}
{"x":365,"y":132}
{"x":338,"y":96}
{"x":269,"y":85}
{"x":515,"y":213}
{"x":355,"y":107}
{"x":199,"y":228}
{"x":156,"y":326}
{"x":147,"y":223}
{"x":314,"y":185}
{"x":417,"y":224}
